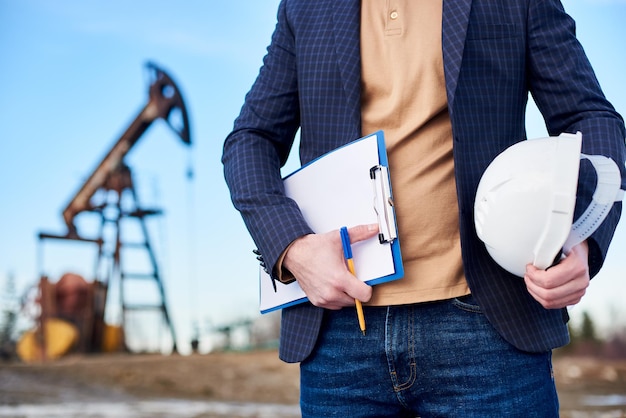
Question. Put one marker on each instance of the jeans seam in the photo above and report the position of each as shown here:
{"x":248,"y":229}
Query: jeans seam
{"x":411,"y":350}
{"x":467,"y":307}
{"x":397,"y":386}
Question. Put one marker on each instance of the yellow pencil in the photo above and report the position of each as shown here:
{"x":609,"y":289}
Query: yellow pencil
{"x":347,"y":252}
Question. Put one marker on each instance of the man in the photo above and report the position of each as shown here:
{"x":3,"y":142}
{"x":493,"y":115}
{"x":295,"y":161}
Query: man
{"x":448,"y":82}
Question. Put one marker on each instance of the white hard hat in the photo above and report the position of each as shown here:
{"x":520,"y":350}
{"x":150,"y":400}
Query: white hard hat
{"x":525,"y":201}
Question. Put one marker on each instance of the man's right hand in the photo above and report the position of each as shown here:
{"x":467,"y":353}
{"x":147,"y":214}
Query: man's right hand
{"x":317,"y":263}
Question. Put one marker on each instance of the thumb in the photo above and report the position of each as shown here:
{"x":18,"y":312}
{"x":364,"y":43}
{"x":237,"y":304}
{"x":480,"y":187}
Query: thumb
{"x":362,"y":232}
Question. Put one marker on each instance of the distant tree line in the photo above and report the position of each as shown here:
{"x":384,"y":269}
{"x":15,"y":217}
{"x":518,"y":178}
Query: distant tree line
{"x":8,"y":319}
{"x":585,"y":341}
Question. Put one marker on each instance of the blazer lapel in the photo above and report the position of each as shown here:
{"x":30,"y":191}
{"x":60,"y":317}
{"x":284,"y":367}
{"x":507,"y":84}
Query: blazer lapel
{"x":346,"y":24}
{"x":454,"y":28}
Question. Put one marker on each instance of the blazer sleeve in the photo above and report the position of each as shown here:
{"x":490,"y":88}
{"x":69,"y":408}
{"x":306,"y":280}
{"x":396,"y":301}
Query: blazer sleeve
{"x":567,"y":93}
{"x":259,"y":145}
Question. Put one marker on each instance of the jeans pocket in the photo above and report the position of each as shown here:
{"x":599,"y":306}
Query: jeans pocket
{"x":466,"y":303}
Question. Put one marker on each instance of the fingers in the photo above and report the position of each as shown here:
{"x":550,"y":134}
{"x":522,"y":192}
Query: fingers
{"x":356,"y":289}
{"x":562,"y":285}
{"x":317,"y":262}
{"x":553,"y":294}
{"x":339,"y":297}
{"x":343,"y":286}
{"x":338,"y":290}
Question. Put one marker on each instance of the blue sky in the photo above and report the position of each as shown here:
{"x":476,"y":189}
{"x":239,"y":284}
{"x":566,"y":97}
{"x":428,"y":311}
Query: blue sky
{"x":73,"y":79}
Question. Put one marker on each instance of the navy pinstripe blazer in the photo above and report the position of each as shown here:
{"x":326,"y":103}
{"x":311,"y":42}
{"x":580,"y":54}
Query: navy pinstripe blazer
{"x":494,"y":53}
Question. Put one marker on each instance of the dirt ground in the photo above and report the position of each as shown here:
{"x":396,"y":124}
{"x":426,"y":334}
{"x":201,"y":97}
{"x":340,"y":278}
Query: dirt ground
{"x":587,"y":387}
{"x":240,"y":377}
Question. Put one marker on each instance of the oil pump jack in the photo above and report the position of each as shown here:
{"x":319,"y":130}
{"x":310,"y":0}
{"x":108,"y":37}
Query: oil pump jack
{"x":107,"y":193}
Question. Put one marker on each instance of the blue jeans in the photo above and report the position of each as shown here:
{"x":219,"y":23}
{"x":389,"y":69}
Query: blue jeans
{"x":439,"y":359}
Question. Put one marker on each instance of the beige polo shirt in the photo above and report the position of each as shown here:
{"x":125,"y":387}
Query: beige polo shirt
{"x":404,"y":94}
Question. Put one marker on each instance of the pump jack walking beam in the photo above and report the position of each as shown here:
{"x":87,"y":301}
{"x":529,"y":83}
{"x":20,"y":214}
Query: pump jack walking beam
{"x":165,"y":102}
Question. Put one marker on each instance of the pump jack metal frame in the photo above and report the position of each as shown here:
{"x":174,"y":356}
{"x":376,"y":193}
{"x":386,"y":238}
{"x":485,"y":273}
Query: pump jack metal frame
{"x":104,"y":192}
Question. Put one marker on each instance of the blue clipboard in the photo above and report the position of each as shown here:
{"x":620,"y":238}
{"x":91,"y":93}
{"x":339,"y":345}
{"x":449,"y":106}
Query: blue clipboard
{"x":346,"y":187}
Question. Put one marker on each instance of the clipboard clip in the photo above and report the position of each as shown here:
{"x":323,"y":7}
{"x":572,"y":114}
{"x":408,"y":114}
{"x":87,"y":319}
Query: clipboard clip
{"x":383,"y":204}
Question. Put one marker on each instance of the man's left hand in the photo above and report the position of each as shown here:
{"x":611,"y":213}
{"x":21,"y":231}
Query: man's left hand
{"x":562,"y":285}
